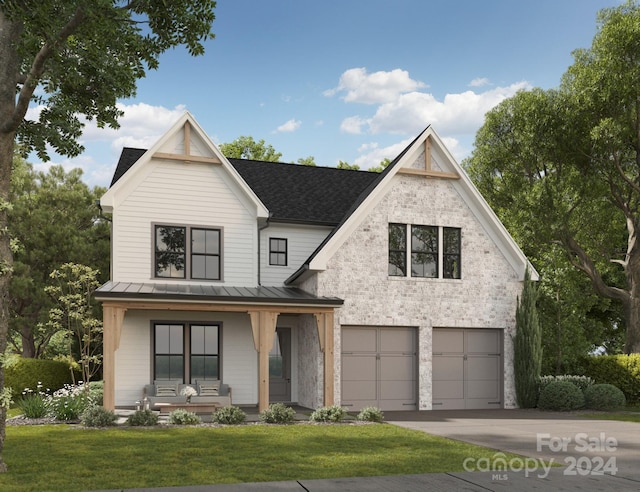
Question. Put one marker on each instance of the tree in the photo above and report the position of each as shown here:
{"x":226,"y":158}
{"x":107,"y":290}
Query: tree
{"x":245,"y":147}
{"x":73,"y":314}
{"x":346,"y":165}
{"x":567,"y":161}
{"x":527,"y":346}
{"x":84,"y":55}
{"x":53,"y":220}
{"x":384,"y":163}
{"x":307,"y":161}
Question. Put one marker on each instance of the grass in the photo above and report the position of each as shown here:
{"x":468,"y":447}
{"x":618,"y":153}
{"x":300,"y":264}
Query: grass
{"x":65,"y":457}
{"x":622,"y":416}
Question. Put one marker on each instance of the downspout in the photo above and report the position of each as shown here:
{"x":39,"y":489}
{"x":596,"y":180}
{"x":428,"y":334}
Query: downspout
{"x":261,"y":228}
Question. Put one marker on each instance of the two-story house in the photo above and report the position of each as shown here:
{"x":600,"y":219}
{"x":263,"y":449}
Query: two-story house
{"x":308,"y":285}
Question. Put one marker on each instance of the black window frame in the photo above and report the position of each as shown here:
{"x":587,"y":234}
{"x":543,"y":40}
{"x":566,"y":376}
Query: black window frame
{"x":186,"y":253}
{"x":421,"y":251}
{"x":452,"y":261}
{"x":397,"y":259}
{"x":187,"y":354}
{"x":277,"y":253}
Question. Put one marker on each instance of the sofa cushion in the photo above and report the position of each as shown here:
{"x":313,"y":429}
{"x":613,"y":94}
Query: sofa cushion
{"x":209,"y":388}
{"x":166,"y":389}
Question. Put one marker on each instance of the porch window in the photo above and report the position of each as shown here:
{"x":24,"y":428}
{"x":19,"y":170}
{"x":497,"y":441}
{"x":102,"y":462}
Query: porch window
{"x":277,"y":251}
{"x":186,"y":352}
{"x":199,"y":257}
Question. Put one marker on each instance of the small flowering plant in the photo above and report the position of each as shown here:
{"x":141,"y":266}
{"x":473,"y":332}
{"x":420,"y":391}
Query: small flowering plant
{"x":188,"y":391}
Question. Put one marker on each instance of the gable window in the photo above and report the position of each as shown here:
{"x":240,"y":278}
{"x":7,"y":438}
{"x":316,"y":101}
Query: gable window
{"x":424,"y":251}
{"x":397,"y":250}
{"x":434,"y":252}
{"x":186,"y":352}
{"x":198,"y":258}
{"x":450,"y":252}
{"x":277,"y":251}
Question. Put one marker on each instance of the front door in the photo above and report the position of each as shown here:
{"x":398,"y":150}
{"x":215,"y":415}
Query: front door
{"x":280,"y":366}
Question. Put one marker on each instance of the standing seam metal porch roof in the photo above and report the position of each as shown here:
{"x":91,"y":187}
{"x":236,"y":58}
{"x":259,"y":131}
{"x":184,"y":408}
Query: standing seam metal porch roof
{"x":211,"y":293}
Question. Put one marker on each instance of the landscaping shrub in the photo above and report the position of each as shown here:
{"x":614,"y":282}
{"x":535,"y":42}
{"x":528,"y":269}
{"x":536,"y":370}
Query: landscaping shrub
{"x":622,"y":371}
{"x":21,"y":373}
{"x":562,"y":396}
{"x":229,"y":415}
{"x":604,"y":397}
{"x":371,"y":414}
{"x":582,"y":382}
{"x":183,"y":417}
{"x":33,"y":404}
{"x":98,"y":416}
{"x":143,"y":418}
{"x":96,"y":392}
{"x":277,"y":413}
{"x":333,"y":413}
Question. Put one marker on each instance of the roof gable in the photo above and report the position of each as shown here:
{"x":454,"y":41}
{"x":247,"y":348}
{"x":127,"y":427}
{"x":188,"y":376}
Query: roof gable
{"x":428,"y":157}
{"x":184,"y":142}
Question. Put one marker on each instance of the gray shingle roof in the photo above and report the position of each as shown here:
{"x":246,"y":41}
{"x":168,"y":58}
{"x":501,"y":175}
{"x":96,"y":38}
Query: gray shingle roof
{"x":291,"y":193}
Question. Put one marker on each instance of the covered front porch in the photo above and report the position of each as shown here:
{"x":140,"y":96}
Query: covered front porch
{"x":261,"y":308}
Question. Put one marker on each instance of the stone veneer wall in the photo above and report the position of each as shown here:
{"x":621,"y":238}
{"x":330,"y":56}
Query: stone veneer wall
{"x":310,"y":369}
{"x":485,"y":297}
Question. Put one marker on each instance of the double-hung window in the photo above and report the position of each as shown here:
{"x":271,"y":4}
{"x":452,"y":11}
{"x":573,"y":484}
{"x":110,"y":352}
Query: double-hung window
{"x":186,"y":352}
{"x":277,"y":251}
{"x":432,"y":252}
{"x":187,"y":252}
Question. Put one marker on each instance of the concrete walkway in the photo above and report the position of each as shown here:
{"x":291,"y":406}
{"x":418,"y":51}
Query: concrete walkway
{"x":596,"y":455}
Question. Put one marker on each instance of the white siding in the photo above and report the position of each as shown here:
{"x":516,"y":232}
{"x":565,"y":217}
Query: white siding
{"x":238,"y":355}
{"x":189,"y":194}
{"x":301,"y":242}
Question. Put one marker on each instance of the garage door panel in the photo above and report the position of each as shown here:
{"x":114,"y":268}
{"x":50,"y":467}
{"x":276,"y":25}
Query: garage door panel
{"x":379,"y":368}
{"x":359,"y":340}
{"x":467,"y":368}
{"x":482,"y":368}
{"x":482,"y":342}
{"x":360,"y":390}
{"x":397,"y":390}
{"x":448,"y":389}
{"x":397,"y":368}
{"x":448,"y":341}
{"x":396,"y":339}
{"x":358,"y":368}
{"x":448,"y":368}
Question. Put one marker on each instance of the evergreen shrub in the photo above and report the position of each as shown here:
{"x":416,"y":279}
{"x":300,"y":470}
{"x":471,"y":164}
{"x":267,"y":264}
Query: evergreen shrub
{"x":143,"y":418}
{"x":229,"y":415}
{"x":98,"y":416}
{"x":622,"y":371}
{"x":561,"y":396}
{"x":371,"y":414}
{"x":604,"y":397}
{"x":184,"y":417}
{"x":277,"y":413}
{"x":333,"y":413}
{"x":23,"y":373}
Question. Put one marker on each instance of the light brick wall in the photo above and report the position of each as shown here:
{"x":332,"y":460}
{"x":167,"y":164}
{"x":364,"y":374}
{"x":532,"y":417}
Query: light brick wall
{"x":485,"y":297}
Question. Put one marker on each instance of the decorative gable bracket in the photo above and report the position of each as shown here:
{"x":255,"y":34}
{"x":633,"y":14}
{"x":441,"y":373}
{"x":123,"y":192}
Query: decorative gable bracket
{"x":428,"y":171}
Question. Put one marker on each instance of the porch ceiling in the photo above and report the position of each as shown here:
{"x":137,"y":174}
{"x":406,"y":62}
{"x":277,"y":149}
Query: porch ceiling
{"x":193,"y":293}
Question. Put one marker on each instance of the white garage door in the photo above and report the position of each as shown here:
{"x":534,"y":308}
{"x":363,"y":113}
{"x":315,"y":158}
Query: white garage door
{"x":379,"y":368}
{"x":467,"y":368}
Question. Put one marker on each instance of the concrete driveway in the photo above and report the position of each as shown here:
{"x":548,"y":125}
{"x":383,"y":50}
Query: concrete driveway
{"x":586,"y":448}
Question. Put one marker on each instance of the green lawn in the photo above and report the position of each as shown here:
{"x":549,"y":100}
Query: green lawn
{"x":623,"y":416}
{"x":64,"y":457}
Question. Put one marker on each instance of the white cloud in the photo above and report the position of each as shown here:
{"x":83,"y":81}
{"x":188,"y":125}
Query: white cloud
{"x":479,"y":82}
{"x":353,"y":125}
{"x":290,"y":126}
{"x":375,"y":154}
{"x":456,"y":114}
{"x":374,"y":88}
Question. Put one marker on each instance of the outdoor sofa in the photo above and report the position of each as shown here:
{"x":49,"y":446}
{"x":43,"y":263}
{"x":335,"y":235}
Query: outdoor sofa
{"x":169,"y":391}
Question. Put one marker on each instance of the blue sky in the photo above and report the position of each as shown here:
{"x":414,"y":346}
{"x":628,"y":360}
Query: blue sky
{"x":351,"y":80}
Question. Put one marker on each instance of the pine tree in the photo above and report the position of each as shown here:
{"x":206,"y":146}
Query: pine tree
{"x":527,"y":346}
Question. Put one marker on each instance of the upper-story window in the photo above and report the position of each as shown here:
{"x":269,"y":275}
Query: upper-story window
{"x":277,"y":251}
{"x":198,"y":258}
{"x":433,"y":252}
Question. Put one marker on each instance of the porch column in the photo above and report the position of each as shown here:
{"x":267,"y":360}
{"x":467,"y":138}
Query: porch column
{"x":112,"y":319}
{"x":325,"y":336}
{"x":263,"y":325}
